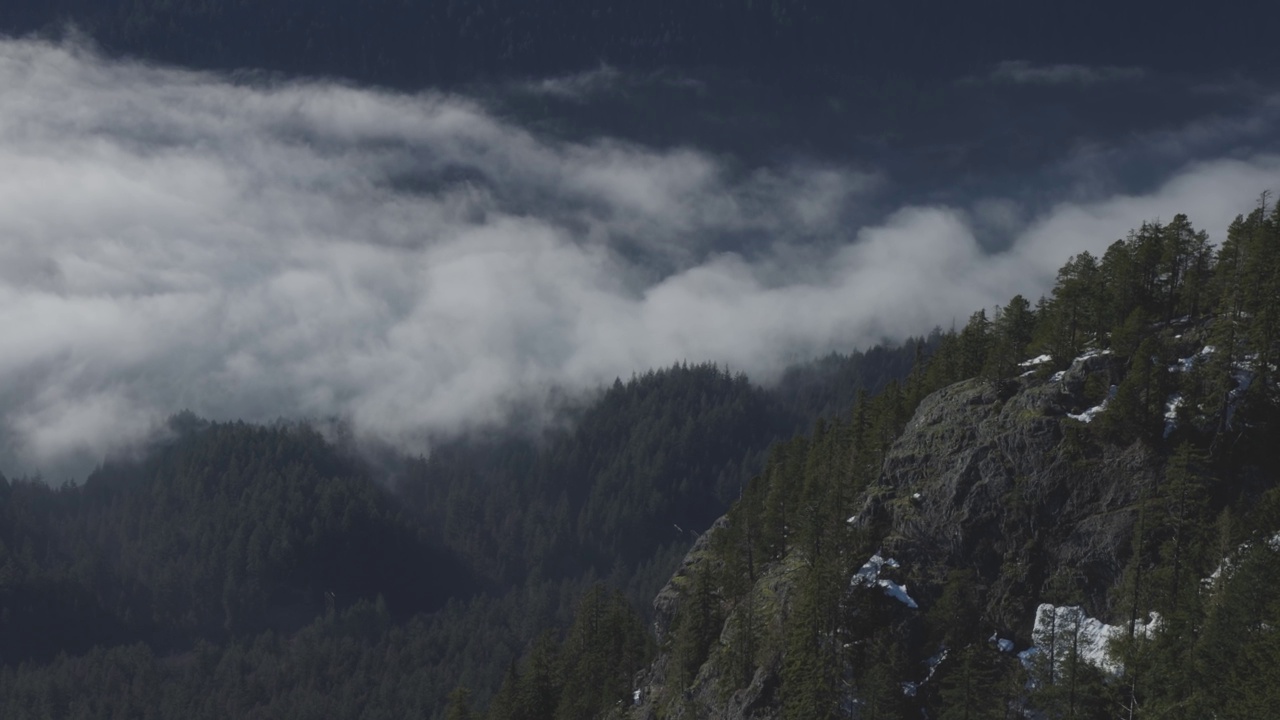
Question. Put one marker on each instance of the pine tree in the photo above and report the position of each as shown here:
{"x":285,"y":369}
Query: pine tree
{"x":970,"y":684}
{"x":806,"y":670}
{"x":459,"y":707}
{"x":603,"y":650}
{"x":975,"y":344}
{"x":1011,"y":335}
{"x":879,"y":686}
{"x":1072,"y":315}
{"x":696,"y":627}
{"x":539,"y":688}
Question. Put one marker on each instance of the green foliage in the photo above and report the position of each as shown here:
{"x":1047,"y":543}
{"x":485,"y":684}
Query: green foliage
{"x":459,"y":707}
{"x":601,"y":653}
{"x":1012,"y":332}
{"x":968,"y":679}
{"x":696,"y":627}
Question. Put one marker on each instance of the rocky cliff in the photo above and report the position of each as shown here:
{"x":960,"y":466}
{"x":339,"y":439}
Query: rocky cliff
{"x":1003,"y":480}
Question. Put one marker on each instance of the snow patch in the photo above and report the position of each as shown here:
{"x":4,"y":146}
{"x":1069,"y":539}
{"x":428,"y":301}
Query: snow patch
{"x":1171,"y":413}
{"x":1057,"y":377}
{"x":1093,"y":412}
{"x":1090,"y":414}
{"x":1061,"y":630}
{"x":869,"y":576}
{"x":1091,"y":354}
{"x":1186,"y":364}
{"x":1038,"y":360}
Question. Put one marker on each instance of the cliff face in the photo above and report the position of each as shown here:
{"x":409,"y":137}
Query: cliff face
{"x":1006,"y":484}
{"x":991,"y":478}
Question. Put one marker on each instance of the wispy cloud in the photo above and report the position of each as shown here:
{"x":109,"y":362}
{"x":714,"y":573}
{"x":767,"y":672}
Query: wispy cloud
{"x":576,"y":86}
{"x":418,"y":266}
{"x":1021,"y":72}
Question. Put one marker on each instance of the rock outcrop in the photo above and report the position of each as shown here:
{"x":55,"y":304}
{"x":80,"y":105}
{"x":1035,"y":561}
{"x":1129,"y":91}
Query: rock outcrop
{"x":1007,"y":484}
{"x":995,"y":478}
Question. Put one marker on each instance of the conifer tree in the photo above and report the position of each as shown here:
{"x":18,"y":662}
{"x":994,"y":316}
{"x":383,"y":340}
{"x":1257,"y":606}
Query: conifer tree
{"x":970,"y":684}
{"x":1011,"y":335}
{"x":879,"y":684}
{"x":459,"y":707}
{"x":975,"y":344}
{"x":1072,"y":314}
{"x":696,"y":626}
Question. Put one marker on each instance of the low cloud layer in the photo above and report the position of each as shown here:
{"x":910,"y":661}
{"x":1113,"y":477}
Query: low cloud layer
{"x":419,"y":266}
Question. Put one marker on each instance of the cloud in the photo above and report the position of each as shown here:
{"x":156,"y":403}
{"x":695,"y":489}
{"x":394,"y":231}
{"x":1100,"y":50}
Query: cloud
{"x":418,"y":266}
{"x":1021,"y":72}
{"x":576,"y":86}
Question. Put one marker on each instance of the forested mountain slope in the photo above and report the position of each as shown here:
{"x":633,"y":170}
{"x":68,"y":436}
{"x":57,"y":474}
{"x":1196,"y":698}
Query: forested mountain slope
{"x":1109,"y":453}
{"x":233,"y":570}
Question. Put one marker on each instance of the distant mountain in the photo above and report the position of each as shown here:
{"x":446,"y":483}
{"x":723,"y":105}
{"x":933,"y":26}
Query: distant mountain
{"x":280,"y":557}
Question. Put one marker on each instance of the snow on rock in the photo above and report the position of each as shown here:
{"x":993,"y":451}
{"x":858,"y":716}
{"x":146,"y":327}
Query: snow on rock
{"x":1171,"y":413}
{"x":1061,"y":630}
{"x":1187,"y":363}
{"x":1004,"y":645}
{"x":869,"y":576}
{"x":1057,"y":377}
{"x":1090,"y":414}
{"x":1038,"y":360}
{"x":1093,"y":412}
{"x":899,"y":593}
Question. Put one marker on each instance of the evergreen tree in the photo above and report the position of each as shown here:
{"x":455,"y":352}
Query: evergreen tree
{"x":975,"y":344}
{"x":459,"y":707}
{"x":696,"y":626}
{"x":1011,"y":335}
{"x":970,"y":685}
{"x":1072,"y":314}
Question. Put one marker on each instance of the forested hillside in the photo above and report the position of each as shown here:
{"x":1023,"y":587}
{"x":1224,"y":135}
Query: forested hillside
{"x":236,"y":570}
{"x":1090,"y":480}
{"x":1065,"y":507}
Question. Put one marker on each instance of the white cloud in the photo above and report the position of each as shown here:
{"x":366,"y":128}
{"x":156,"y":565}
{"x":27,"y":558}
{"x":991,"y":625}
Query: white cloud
{"x":415,"y":265}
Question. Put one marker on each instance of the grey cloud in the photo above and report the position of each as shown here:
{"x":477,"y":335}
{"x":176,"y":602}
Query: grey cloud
{"x":578,"y":85}
{"x":417,"y":267}
{"x":1021,"y":72}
